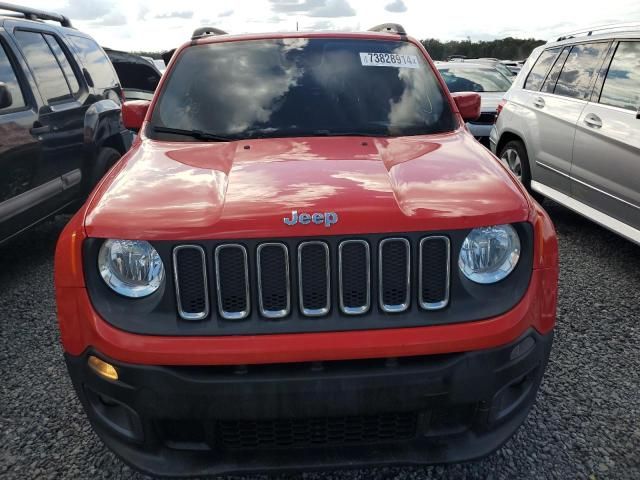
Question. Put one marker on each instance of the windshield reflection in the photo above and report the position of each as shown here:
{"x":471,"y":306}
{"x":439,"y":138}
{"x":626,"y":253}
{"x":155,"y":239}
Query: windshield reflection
{"x":299,"y":87}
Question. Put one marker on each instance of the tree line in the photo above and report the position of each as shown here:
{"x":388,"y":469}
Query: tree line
{"x":504,"y":49}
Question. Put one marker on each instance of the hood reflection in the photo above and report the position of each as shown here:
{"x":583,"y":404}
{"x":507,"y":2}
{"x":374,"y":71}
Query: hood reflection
{"x":224,"y":190}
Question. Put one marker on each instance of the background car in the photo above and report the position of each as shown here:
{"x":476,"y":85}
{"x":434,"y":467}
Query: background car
{"x":483,"y":79}
{"x":570,"y":126}
{"x":138,"y":75}
{"x":60,"y":119}
{"x":501,"y":65}
{"x":513,"y":66}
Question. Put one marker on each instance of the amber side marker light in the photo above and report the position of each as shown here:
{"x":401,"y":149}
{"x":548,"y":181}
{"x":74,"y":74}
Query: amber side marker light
{"x":102,"y":368}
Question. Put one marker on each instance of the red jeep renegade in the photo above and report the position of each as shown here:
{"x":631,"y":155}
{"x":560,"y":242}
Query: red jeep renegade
{"x":305,"y":261}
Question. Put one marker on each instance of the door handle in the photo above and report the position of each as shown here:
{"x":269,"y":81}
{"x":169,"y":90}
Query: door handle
{"x":593,"y":121}
{"x":39,"y":129}
{"x":538,"y":102}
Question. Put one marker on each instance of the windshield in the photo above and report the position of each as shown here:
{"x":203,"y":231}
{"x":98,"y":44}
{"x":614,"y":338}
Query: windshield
{"x":302,"y":87}
{"x":504,"y":71}
{"x":476,"y":79}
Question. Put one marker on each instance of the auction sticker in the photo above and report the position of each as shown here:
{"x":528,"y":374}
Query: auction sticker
{"x":370,"y":59}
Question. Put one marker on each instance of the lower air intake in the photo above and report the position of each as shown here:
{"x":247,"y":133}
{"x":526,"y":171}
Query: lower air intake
{"x":312,"y":432}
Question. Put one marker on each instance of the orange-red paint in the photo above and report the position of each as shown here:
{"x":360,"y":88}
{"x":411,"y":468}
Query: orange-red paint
{"x":188,"y":190}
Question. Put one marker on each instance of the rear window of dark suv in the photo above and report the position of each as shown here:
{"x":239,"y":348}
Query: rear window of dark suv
{"x":303,"y":87}
{"x":95,"y":61}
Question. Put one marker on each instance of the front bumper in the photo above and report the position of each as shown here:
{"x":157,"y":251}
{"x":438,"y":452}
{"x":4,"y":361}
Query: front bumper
{"x":208,"y":420}
{"x":481,"y":132}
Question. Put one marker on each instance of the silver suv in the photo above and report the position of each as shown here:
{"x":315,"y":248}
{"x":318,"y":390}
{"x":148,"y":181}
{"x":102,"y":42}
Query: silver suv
{"x":569,"y":127}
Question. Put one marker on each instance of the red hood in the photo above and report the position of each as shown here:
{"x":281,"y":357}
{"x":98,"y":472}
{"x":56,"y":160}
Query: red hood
{"x":244,"y":189}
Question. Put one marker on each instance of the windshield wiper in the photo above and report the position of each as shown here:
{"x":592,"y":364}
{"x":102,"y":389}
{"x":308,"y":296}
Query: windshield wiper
{"x":197,"y":134}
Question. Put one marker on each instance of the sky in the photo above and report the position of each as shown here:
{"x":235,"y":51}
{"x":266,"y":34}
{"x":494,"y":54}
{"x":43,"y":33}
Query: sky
{"x":158,"y":25}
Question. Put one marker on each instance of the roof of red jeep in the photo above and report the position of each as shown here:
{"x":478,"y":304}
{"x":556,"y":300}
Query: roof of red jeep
{"x":277,"y":35}
{"x":280,"y":35}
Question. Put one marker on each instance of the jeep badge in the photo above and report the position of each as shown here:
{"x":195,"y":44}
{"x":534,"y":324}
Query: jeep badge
{"x":328,"y":218}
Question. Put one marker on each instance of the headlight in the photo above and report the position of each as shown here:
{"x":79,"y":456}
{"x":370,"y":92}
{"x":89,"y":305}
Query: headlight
{"x":489,"y":254}
{"x":131,"y":268}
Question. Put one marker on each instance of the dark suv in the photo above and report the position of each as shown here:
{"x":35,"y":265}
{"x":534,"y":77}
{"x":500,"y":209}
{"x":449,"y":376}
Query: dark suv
{"x":60,"y":121}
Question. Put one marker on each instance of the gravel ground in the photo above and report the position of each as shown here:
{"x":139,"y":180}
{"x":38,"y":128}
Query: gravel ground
{"x":586,"y":423}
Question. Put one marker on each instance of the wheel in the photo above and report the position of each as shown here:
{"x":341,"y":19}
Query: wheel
{"x":514,"y":156}
{"x":107,"y":157}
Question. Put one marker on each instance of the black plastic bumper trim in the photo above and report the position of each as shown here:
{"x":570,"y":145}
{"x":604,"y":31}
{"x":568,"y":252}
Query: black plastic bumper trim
{"x":495,"y":389}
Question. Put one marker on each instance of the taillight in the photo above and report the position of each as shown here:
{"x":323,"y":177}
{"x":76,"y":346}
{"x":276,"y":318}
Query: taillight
{"x":500,"y":107}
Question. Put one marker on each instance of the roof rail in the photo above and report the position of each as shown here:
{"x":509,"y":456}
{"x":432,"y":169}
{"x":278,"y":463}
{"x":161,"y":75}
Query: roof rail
{"x":33,"y":14}
{"x":206,"y":32}
{"x":608,"y":28}
{"x":389,"y":28}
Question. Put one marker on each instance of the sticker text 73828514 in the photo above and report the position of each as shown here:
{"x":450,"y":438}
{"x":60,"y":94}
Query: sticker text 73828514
{"x":372,"y":59}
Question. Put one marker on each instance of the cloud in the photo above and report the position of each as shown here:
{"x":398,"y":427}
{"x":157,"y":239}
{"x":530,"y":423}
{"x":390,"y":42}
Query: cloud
{"x":321,"y":25}
{"x":314,"y":8}
{"x":83,"y":10}
{"x":112,"y":19}
{"x":328,"y":25}
{"x":186,"y":14}
{"x":397,"y":6}
{"x":142,"y":12}
{"x":226,"y":13}
{"x":100,"y":13}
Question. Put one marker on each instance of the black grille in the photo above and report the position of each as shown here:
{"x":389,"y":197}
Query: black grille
{"x":310,"y":432}
{"x":434,"y":276}
{"x":232,"y":278}
{"x":313,"y":263}
{"x":354,"y":276}
{"x":264,"y":274}
{"x":394,"y":274}
{"x":191,"y":284}
{"x":274,"y":293}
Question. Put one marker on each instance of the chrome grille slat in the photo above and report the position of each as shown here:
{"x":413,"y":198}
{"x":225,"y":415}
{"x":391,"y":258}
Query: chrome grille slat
{"x":305,"y":270}
{"x":433,"y":293}
{"x":393,"y":277}
{"x":349,"y":306}
{"x":272,"y":289}
{"x":230,"y":298}
{"x":195,"y":291}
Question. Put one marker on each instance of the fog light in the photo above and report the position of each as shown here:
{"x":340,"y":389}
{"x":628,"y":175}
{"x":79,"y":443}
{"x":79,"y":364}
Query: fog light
{"x":102,"y":368}
{"x":522,"y":348}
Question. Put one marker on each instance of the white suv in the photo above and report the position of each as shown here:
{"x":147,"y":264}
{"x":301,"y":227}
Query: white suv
{"x":569,"y":127}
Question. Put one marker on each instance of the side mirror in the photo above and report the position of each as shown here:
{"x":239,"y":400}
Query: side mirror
{"x":5,"y":96}
{"x":468,"y":105}
{"x":133,"y":113}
